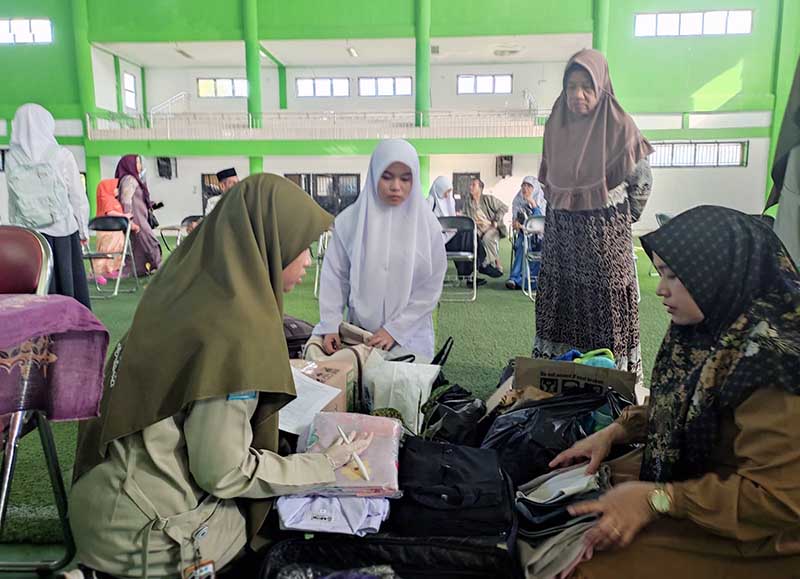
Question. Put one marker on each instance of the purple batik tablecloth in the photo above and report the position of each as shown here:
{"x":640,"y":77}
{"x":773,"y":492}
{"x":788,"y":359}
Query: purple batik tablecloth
{"x":52,"y":351}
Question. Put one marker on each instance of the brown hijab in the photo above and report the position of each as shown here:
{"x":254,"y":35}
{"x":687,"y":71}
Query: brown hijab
{"x":211,"y":321}
{"x":586,"y":157}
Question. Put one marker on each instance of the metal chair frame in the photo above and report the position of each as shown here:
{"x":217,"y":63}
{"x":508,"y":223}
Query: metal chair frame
{"x":462,"y":223}
{"x":534,"y":225}
{"x":127,"y":252}
{"x":322,"y":248}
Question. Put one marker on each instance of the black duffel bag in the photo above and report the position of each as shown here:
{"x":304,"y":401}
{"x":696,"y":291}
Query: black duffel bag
{"x":452,"y":490}
{"x":409,"y":557}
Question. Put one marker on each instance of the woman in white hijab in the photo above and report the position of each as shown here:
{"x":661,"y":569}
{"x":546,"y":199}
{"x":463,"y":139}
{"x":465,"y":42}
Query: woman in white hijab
{"x":529,"y":201}
{"x":441,"y":197}
{"x":45,"y":193}
{"x":442,"y":202}
{"x":386,"y":261}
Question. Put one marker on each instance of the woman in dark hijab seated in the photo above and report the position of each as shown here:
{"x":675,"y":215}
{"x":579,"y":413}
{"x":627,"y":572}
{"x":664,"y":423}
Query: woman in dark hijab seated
{"x":718,"y":493}
{"x":188,"y":426}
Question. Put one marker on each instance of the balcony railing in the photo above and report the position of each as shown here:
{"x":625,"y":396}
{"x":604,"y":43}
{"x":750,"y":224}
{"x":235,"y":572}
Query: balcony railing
{"x":319,"y":125}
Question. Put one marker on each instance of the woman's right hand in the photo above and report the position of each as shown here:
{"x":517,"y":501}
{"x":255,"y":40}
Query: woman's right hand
{"x":595,"y":448}
{"x":331,"y":343}
{"x":341,"y":453}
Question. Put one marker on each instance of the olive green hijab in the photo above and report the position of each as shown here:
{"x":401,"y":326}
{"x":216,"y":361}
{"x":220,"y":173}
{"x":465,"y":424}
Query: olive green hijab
{"x":211,"y":321}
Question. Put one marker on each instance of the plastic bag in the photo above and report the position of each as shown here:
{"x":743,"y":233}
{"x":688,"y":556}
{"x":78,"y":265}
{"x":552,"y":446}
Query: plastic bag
{"x":380,"y":459}
{"x":402,"y":386}
{"x":527,"y":439}
{"x":452,"y":415}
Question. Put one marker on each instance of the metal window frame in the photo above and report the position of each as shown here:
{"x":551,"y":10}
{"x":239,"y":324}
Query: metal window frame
{"x":315,"y":95}
{"x":494,"y":76}
{"x":743,"y":144}
{"x":702,"y":25}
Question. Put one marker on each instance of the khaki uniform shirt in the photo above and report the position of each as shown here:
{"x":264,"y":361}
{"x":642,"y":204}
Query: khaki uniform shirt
{"x":135,"y":514}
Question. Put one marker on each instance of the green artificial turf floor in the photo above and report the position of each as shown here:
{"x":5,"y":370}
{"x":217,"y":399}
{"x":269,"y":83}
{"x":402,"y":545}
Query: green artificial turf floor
{"x":488,"y":332}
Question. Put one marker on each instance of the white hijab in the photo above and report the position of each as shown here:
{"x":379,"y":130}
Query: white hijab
{"x":33,"y":130}
{"x":538,"y":194}
{"x":442,"y":207}
{"x":387,"y":246}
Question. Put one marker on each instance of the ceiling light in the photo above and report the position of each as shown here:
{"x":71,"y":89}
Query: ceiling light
{"x":507,"y":50}
{"x":183,"y":53}
{"x":352,"y":52}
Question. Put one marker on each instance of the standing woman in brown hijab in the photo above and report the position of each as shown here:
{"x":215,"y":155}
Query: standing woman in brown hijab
{"x":188,"y":426}
{"x":596,"y":180}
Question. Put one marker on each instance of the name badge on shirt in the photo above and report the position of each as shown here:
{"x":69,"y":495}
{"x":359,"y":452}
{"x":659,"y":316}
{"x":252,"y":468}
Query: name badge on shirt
{"x":202,"y":570}
{"x":252,"y":395}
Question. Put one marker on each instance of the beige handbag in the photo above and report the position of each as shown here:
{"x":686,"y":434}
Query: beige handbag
{"x":354,"y":350}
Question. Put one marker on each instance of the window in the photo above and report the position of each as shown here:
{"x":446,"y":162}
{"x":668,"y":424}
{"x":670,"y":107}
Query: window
{"x":323,"y":87}
{"x":129,"y":90}
{"x":222,"y":87}
{"x":700,"y":154}
{"x":384,"y":86}
{"x":484,"y":84}
{"x":335,"y":192}
{"x":711,"y":23}
{"x":302,"y":180}
{"x":23,"y":31}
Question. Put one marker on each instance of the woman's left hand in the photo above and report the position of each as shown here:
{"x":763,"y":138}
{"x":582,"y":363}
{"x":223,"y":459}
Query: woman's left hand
{"x":624,"y":512}
{"x":382,"y":340}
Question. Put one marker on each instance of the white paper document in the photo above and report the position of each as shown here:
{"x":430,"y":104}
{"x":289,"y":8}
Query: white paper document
{"x":312,"y":397}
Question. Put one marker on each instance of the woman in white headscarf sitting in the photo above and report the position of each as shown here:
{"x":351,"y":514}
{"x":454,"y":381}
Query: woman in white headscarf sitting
{"x":385,"y":264}
{"x":528,"y":202}
{"x":443,"y":204}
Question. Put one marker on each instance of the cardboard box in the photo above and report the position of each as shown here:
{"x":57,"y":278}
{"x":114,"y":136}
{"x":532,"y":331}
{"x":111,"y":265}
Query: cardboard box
{"x":557,"y":377}
{"x":338,"y":374}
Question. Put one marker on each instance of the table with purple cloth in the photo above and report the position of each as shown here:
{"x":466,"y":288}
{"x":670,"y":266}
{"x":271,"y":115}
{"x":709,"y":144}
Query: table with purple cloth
{"x":52,"y":352}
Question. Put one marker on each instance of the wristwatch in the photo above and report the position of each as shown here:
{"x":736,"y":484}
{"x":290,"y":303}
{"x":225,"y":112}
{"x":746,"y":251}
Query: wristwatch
{"x":659,"y":500}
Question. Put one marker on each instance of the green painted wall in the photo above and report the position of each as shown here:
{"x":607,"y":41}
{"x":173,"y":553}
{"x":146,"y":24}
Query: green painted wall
{"x":701,"y":73}
{"x":164,"y":20}
{"x":503,"y":17}
{"x":184,"y":20}
{"x":336,"y":19}
{"x":43,"y":73}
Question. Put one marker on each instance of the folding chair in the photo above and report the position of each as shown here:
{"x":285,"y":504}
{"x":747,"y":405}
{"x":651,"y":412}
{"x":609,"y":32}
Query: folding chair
{"x":512,"y":237}
{"x":26,"y":266}
{"x":322,"y":247}
{"x":180,"y":231}
{"x":122,"y":225}
{"x":534,"y":225}
{"x":460,"y":225}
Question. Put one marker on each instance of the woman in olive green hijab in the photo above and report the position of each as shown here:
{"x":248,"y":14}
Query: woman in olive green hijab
{"x":188,"y":424}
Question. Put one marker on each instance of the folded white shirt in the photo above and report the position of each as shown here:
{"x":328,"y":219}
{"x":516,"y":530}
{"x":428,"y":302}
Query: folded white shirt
{"x":357,"y":516}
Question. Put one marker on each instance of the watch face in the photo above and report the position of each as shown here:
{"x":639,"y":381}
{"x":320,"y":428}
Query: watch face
{"x":660,"y":501}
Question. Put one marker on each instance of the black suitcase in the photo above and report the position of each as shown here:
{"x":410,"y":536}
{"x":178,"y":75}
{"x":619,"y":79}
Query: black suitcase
{"x":409,"y":557}
{"x":297,"y":333}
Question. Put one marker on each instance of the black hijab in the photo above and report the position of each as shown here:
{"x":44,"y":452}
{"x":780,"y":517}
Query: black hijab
{"x":748,"y":288}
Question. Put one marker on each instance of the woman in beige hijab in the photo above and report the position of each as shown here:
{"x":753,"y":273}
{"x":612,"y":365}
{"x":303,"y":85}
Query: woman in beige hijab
{"x":180,"y":468}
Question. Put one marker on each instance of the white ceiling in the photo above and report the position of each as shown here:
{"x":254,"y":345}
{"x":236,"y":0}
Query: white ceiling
{"x":166,"y":55}
{"x":532,"y":48}
{"x":371,"y":52}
